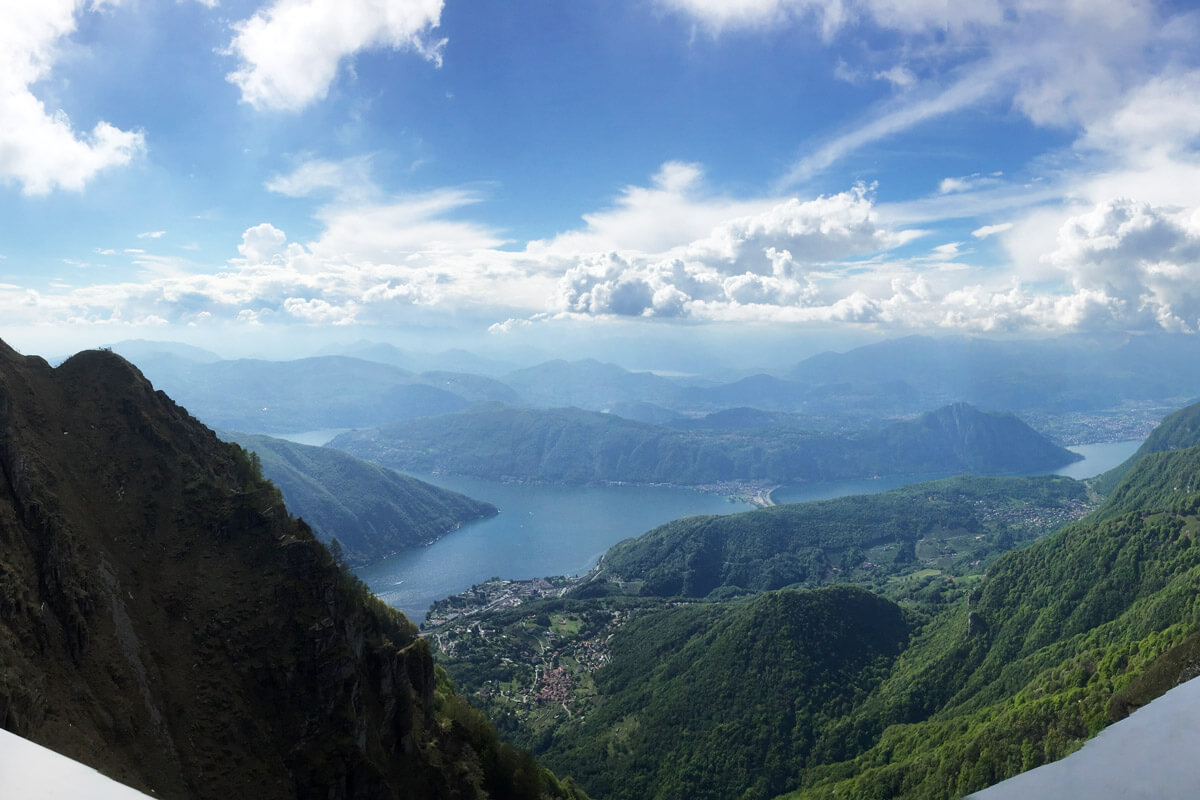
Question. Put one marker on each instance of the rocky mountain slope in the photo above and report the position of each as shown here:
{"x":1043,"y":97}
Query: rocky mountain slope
{"x":165,"y":620}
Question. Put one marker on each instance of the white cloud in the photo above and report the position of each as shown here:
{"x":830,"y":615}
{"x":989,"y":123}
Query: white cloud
{"x":968,"y":183}
{"x":40,"y":148}
{"x":1059,"y":64}
{"x":966,"y":91}
{"x":1144,"y":261}
{"x":509,"y":325}
{"x":291,"y":51}
{"x":317,"y":310}
{"x":348,"y":179}
{"x":991,"y":230}
{"x":152,"y":235}
{"x":898,"y":75}
{"x":1161,"y":116}
{"x":673,"y":211}
{"x":777,"y":257}
{"x":720,"y":14}
{"x":813,"y":231}
{"x":262,"y":243}
{"x":948,"y":250}
{"x":822,"y":260}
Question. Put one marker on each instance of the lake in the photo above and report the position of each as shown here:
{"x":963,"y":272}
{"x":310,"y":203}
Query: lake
{"x":540,"y":531}
{"x":563,"y":530}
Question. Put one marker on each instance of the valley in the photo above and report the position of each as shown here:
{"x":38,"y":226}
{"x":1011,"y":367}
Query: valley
{"x":515,"y":645}
{"x":590,"y":673}
{"x":812,"y":628}
{"x":602,"y":400}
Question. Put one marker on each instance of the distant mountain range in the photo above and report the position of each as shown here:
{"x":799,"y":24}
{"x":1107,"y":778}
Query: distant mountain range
{"x":580,"y":447}
{"x":1066,"y":373}
{"x":1120,"y":386}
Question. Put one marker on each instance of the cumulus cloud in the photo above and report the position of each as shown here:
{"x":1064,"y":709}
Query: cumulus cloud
{"x":1140,"y":262}
{"x":813,"y":231}
{"x":317,"y":310}
{"x":773,"y":258}
{"x":829,"y":259}
{"x":40,"y":149}
{"x":262,"y":243}
{"x":291,"y":50}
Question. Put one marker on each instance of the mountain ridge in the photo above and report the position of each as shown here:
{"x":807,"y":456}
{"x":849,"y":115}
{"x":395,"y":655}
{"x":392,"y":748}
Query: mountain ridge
{"x":166,"y":621}
{"x":575,"y":446}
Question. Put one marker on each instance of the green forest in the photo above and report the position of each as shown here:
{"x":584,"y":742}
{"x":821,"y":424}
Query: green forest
{"x":735,"y":657}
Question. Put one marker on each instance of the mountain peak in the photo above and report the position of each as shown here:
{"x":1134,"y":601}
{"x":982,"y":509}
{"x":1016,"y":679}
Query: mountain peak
{"x":164,"y":619}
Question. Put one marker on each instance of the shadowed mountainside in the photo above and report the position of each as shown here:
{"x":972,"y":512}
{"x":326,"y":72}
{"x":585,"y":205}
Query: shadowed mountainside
{"x":165,"y":620}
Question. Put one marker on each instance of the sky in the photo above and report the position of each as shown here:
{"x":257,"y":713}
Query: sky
{"x":280,"y":174}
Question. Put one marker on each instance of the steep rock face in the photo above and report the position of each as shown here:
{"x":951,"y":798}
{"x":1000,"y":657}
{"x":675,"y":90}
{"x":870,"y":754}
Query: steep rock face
{"x":164,"y":619}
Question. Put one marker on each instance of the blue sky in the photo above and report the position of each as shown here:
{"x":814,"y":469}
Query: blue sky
{"x":304,"y":170}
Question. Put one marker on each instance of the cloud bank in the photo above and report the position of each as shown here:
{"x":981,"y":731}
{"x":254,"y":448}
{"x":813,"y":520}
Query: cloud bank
{"x":1118,"y":264}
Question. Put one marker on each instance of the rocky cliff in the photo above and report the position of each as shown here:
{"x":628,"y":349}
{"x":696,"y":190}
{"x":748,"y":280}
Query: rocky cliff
{"x":164,"y":619}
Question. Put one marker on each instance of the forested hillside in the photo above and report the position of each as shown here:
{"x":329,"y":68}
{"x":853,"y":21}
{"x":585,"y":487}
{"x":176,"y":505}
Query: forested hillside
{"x":1008,"y":669}
{"x":371,"y":510}
{"x":1178,"y":430}
{"x":1060,"y":639}
{"x":951,"y":523}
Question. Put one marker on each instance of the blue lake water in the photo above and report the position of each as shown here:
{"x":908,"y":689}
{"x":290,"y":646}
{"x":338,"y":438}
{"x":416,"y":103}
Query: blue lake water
{"x":563,"y":530}
{"x":540,"y":531}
